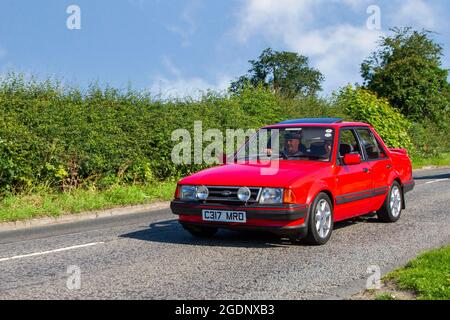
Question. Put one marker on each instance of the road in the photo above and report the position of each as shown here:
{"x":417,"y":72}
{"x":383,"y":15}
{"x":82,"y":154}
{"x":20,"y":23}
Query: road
{"x":149,"y":256}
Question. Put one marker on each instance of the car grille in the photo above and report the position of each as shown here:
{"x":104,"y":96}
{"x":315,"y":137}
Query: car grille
{"x":229,"y":194}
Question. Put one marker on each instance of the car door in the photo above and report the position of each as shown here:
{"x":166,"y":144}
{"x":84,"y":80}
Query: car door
{"x":380,"y":165}
{"x":354,"y":182}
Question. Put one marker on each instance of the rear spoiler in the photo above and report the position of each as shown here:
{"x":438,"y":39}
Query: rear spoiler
{"x":399,"y":150}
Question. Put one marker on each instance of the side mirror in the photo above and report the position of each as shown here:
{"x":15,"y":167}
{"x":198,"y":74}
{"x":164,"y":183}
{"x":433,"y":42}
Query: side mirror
{"x":352,"y":159}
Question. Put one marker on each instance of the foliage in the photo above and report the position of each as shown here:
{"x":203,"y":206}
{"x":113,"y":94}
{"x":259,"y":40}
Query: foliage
{"x":428,"y":275}
{"x":384,"y":296}
{"x":363,"y":105}
{"x":67,"y":139}
{"x":285,"y":73}
{"x":407,"y":70}
{"x":430,"y":140}
{"x":441,"y":160}
{"x":46,"y":202}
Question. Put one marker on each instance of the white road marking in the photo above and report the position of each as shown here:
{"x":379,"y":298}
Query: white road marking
{"x":437,"y":180}
{"x":50,"y":251}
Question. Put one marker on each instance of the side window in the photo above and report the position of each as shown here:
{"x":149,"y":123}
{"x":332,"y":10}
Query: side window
{"x":382,"y":152}
{"x":370,"y":144}
{"x":348,"y":143}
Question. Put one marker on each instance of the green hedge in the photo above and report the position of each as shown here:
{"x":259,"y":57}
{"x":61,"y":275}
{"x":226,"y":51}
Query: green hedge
{"x":64,"y":138}
{"x":363,"y":105}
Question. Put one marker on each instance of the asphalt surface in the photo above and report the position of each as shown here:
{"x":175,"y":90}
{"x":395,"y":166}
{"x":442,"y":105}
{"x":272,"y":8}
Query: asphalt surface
{"x":149,"y":256}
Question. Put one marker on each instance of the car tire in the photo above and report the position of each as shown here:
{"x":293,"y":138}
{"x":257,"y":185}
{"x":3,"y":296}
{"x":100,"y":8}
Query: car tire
{"x":392,"y":207}
{"x":320,"y":220}
{"x":201,"y":232}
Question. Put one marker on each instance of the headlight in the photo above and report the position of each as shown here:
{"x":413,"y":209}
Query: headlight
{"x":271,"y":196}
{"x":244,"y":194}
{"x":188,"y":192}
{"x":202,"y":193}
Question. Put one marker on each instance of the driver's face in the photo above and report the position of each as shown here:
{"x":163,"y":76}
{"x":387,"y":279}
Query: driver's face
{"x":293,"y":145}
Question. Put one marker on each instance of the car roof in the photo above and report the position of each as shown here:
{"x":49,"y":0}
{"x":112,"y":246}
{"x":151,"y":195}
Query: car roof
{"x":317,"y":122}
{"x":313,"y":120}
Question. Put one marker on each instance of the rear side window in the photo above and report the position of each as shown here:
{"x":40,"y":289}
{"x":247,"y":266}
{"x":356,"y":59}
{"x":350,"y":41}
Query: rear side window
{"x":370,"y":144}
{"x":348,"y":143}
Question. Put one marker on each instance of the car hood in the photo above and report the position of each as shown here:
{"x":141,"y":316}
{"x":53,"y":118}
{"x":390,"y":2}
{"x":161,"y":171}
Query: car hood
{"x":275,"y":174}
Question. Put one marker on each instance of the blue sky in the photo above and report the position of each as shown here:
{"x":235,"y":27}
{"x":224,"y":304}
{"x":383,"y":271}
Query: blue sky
{"x":179,"y":47}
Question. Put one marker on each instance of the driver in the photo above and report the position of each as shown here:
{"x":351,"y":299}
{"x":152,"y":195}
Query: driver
{"x":293,"y":146}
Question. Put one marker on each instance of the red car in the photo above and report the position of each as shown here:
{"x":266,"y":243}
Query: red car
{"x":323,"y":171}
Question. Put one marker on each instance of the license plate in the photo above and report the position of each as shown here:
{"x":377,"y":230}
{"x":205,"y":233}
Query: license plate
{"x":224,"y":216}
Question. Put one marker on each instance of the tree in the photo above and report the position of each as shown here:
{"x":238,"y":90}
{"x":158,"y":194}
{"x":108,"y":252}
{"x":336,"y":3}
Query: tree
{"x":363,"y":105}
{"x":407,"y":70}
{"x":285,"y":73}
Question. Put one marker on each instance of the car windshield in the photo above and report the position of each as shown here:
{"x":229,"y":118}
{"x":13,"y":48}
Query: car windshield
{"x":299,"y":143}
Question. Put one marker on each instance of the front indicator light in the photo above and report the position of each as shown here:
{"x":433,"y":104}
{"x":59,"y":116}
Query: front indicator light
{"x":289,"y":196}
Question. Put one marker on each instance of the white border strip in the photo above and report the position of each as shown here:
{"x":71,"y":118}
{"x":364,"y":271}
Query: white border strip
{"x":437,"y":180}
{"x":50,"y":251}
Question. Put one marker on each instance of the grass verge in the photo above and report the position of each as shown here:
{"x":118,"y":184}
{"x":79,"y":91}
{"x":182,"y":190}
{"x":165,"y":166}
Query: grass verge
{"x":425,"y":278}
{"x":439,"y":161}
{"x":46,"y":203}
{"x":428,"y":275}
{"x":385,"y":296}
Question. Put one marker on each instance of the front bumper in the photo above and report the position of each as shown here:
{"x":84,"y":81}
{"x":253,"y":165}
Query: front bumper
{"x":284,"y":220}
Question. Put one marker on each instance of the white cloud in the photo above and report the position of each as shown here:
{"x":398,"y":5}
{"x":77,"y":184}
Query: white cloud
{"x":189,"y":26}
{"x":354,"y":4}
{"x":187,"y":87}
{"x":273,"y":17}
{"x":170,"y":67}
{"x":336,"y":50}
{"x":178,"y":86}
{"x":416,"y":13}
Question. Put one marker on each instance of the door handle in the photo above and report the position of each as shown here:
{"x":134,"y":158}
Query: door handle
{"x":366,"y":170}
{"x":388,"y":167}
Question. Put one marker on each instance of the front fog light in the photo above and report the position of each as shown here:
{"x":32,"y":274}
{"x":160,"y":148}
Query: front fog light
{"x":271,"y":196}
{"x":244,"y":194}
{"x":202,"y":193}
